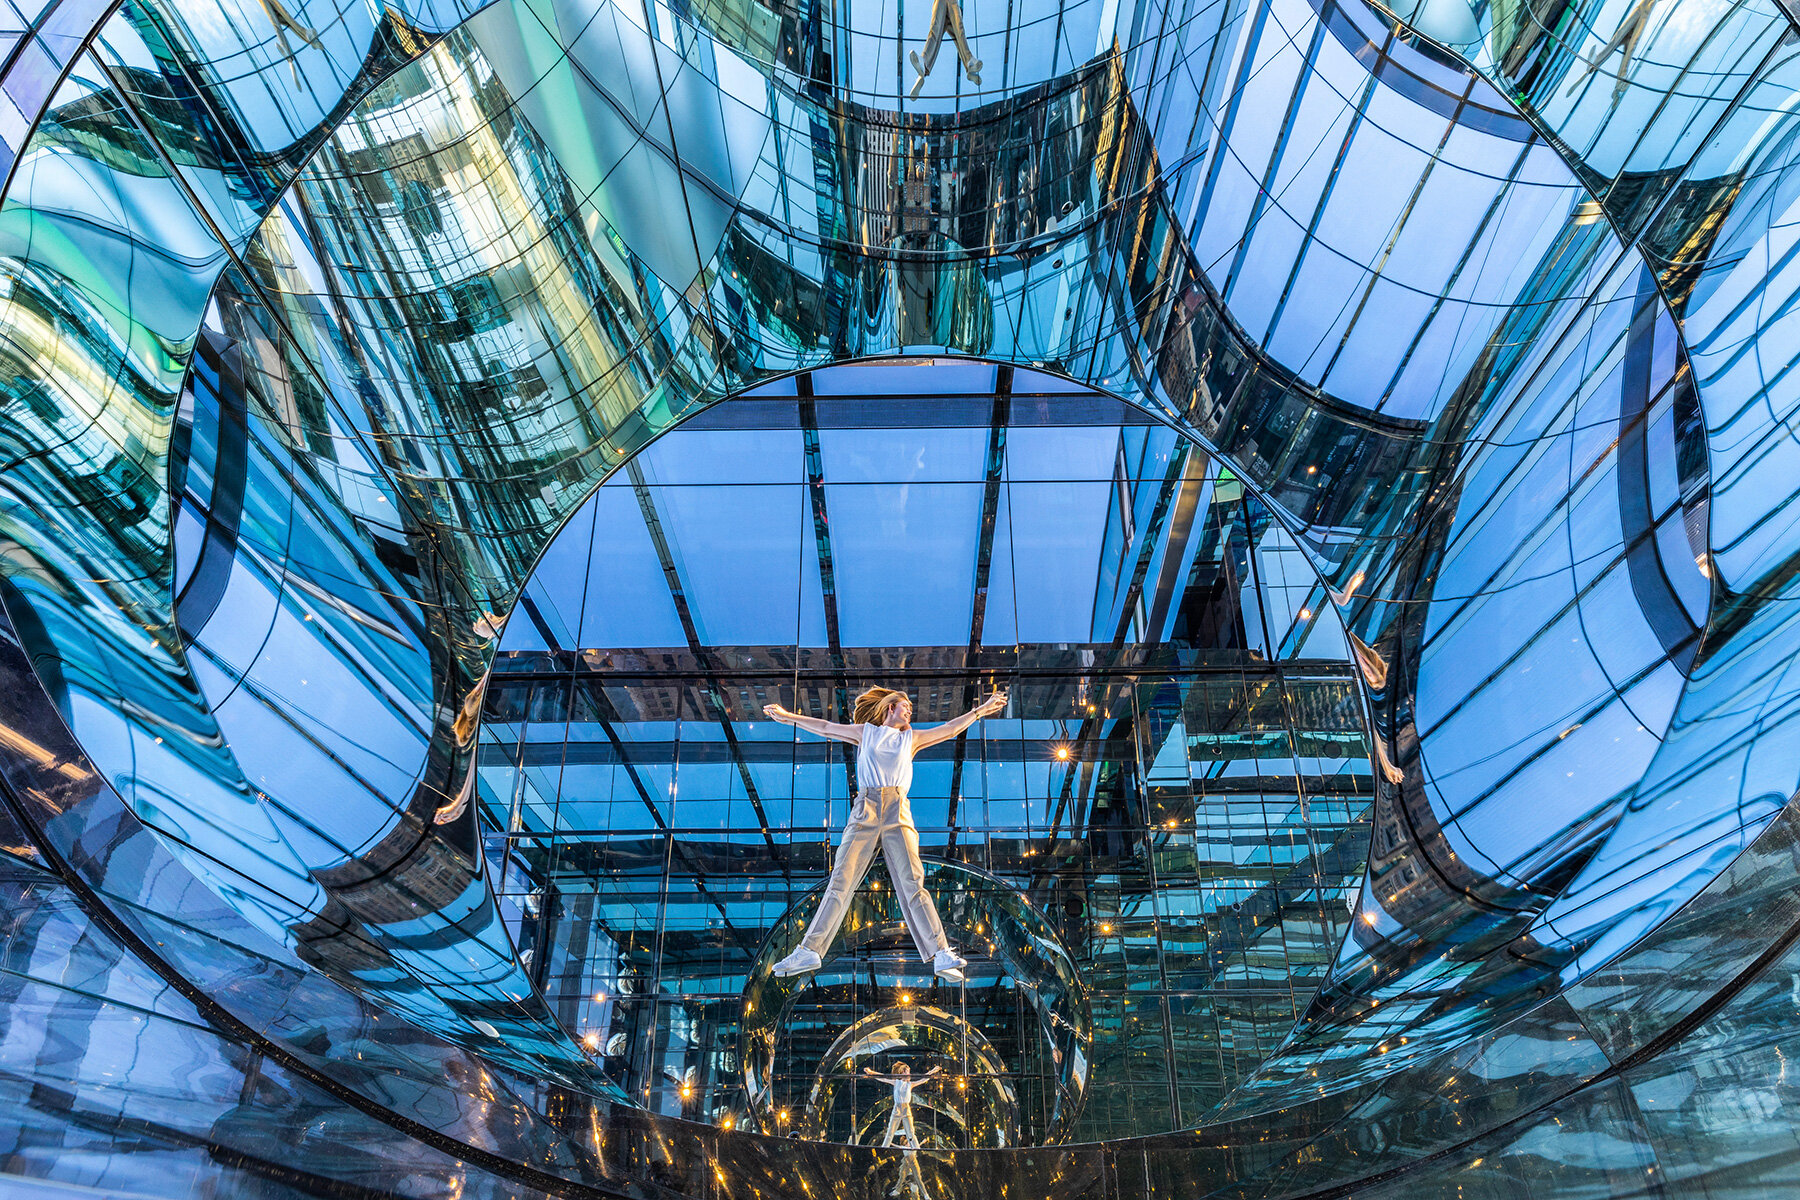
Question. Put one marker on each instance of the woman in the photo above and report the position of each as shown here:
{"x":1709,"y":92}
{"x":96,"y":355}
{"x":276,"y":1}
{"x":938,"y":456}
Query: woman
{"x":885,"y":744}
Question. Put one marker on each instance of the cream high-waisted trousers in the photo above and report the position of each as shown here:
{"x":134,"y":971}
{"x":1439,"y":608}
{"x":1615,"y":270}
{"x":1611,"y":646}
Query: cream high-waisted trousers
{"x":900,"y":1121}
{"x":884,"y":815}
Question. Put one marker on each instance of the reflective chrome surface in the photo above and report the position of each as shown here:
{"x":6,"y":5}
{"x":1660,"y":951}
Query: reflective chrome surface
{"x":1010,"y":947}
{"x":1148,"y":858}
{"x":1489,"y":303}
{"x":966,"y":1099}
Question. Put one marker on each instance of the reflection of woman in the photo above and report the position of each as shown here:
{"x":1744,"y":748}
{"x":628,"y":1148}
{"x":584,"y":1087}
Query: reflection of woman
{"x":900,"y":1121}
{"x":946,"y":17}
{"x":885,"y":744}
{"x":900,"y":1115}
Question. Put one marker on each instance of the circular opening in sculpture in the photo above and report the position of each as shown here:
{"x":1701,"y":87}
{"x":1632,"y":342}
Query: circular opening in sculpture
{"x":1145,"y":857}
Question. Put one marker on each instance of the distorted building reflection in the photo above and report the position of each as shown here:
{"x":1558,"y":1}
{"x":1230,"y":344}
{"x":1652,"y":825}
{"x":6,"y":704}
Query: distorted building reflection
{"x":1355,"y":433}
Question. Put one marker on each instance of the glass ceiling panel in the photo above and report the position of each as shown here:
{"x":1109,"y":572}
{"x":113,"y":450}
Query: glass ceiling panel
{"x":905,"y":562}
{"x":747,"y":554}
{"x":626,"y":601}
{"x":1056,"y":531}
{"x":737,"y":550}
{"x":928,"y":456}
{"x":1043,"y":455}
{"x":710,"y":457}
{"x":1000,"y":610}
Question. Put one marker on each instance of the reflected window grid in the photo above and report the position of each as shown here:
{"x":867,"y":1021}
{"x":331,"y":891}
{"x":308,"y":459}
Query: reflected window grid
{"x":1194,"y":848}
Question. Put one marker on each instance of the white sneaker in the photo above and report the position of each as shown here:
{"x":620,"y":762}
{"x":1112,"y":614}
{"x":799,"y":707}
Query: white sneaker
{"x":948,"y":964}
{"x":798,"y":963}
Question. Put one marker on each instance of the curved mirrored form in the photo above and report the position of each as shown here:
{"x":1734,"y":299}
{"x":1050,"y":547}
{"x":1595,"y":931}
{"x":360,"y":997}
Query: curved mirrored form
{"x":1048,"y":1034}
{"x":965,"y":1097}
{"x":1154,"y":848}
{"x":319,"y":324}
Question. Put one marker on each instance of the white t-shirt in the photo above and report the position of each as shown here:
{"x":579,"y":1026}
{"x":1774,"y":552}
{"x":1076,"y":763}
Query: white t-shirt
{"x":884,"y":757}
{"x":903,"y":1089}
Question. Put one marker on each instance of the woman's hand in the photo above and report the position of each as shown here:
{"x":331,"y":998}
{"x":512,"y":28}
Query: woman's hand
{"x":777,"y":713}
{"x":993,"y":704}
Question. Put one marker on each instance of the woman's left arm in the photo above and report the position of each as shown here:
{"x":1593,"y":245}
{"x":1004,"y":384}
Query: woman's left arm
{"x":949,"y":729}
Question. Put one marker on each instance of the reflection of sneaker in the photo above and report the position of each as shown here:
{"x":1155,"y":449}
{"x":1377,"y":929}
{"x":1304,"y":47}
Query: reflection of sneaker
{"x":948,"y":964}
{"x":972,"y":71}
{"x":917,"y":65}
{"x":798,"y":963}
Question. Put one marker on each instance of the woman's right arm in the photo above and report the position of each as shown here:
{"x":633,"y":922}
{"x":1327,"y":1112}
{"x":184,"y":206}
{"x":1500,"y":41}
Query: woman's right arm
{"x":830,"y":729}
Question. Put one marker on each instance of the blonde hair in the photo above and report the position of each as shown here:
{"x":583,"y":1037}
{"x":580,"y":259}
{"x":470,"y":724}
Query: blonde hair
{"x":873,"y":706}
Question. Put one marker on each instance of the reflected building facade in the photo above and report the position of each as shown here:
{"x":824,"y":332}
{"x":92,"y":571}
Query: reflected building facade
{"x":1356,"y":434}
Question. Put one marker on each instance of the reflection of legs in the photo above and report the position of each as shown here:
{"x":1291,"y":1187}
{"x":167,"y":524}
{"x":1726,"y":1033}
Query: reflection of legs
{"x":910,"y":1176}
{"x":900,"y":845}
{"x":854,"y":853}
{"x":900,"y":1122}
{"x":940,"y":21}
{"x":1624,"y":42}
{"x":971,"y":64}
{"x":1626,"y":50}
{"x":934,"y":40}
{"x":283,"y":20}
{"x":946,"y":17}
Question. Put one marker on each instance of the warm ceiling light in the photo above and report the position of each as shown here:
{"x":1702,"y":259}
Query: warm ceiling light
{"x":906,"y":997}
{"x":728,"y":1121}
{"x":591,"y":1041}
{"x":783,"y":1115}
{"x":600,"y":997}
{"x":1105,"y":927}
{"x":1062,"y":752}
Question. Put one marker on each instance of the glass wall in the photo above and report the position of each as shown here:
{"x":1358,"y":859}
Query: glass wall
{"x":1180,"y":785}
{"x":113,"y":1083}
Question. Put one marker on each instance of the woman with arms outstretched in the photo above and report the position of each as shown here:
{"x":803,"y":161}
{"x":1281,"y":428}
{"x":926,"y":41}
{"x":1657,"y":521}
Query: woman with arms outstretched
{"x":885,"y":744}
